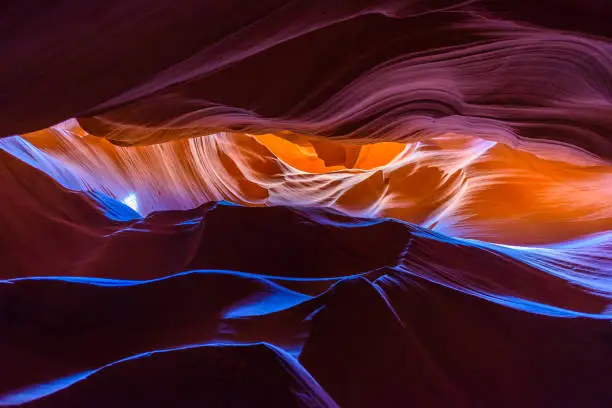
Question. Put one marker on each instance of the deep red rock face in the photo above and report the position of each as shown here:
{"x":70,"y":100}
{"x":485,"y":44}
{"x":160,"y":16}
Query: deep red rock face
{"x":306,"y":204}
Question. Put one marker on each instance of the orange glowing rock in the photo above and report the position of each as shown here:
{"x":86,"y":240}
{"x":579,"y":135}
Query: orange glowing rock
{"x":456,"y":184}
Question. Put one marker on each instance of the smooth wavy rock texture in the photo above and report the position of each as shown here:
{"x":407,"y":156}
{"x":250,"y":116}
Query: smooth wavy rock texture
{"x":322,"y":203}
{"x":458,"y":185}
{"x":139,"y":72}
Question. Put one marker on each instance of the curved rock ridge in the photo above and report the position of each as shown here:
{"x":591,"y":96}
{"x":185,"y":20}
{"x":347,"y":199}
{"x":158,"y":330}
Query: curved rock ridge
{"x":146,"y":72}
{"x":221,"y":375}
{"x":73,"y":322}
{"x":388,"y":337}
{"x":401,"y":340}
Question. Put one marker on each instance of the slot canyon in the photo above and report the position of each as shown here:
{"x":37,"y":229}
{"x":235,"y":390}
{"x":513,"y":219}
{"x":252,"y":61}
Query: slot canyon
{"x":306,"y":203}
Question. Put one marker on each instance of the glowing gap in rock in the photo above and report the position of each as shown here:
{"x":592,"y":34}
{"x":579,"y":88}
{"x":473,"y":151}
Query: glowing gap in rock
{"x":131,"y":201}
